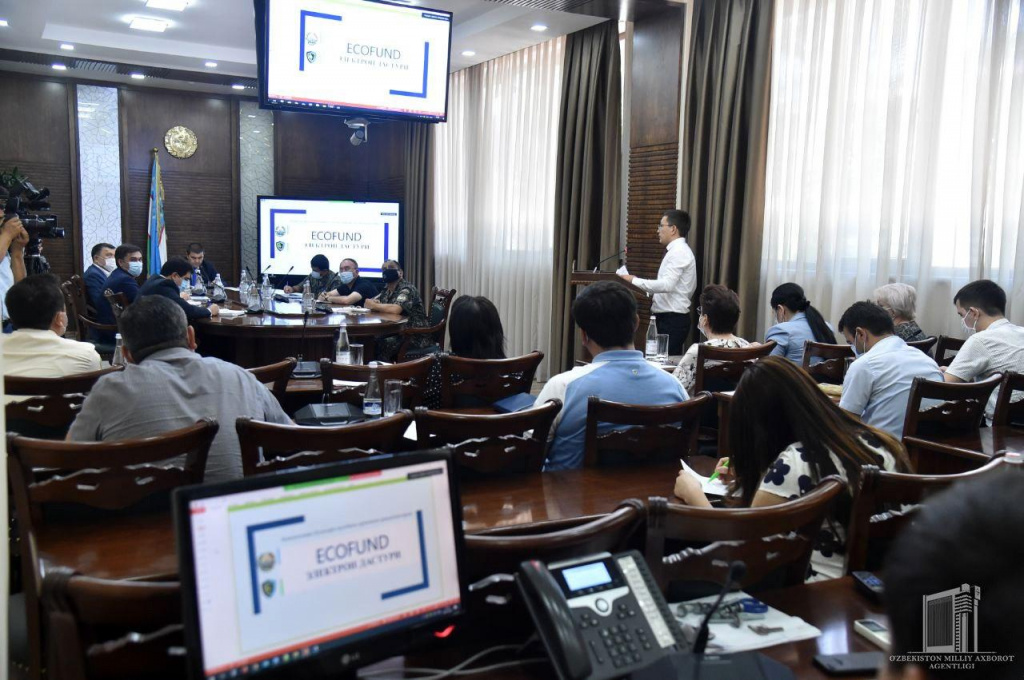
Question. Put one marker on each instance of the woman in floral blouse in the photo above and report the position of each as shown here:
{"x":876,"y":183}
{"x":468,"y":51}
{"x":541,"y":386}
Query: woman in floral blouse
{"x":717,"y":316}
{"x":900,"y":300}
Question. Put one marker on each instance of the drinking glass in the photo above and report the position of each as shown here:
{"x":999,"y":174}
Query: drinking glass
{"x":662,"y":355}
{"x":392,"y":397}
{"x":357,"y":354}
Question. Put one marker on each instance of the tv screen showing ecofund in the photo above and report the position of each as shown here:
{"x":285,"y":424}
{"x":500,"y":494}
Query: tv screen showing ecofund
{"x":354,"y":58}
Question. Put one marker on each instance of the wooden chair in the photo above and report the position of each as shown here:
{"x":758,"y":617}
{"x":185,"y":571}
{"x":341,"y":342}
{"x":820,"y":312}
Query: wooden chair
{"x":485,"y":381}
{"x":946,"y":345}
{"x":485,"y":444}
{"x":878,"y":514}
{"x":53,"y":403}
{"x":85,"y":317}
{"x":720,"y":369}
{"x":651,"y":432}
{"x":437,"y":314}
{"x":776,"y":540}
{"x":832,"y":367}
{"x":100,"y":628}
{"x":118,"y":302}
{"x":269,"y":447}
{"x":924,"y":345}
{"x":276,"y":376}
{"x":1009,"y":412}
{"x":934,"y":458}
{"x":412,"y":373}
{"x":102,"y":476}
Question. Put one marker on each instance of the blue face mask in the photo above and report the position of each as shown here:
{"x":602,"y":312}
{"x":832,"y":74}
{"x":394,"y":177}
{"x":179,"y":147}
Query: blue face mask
{"x":134,"y":268}
{"x":346,"y":277}
{"x":314,"y":275}
{"x":185,"y":286}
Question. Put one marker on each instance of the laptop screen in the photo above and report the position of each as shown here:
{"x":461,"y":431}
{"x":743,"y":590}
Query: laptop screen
{"x":291,"y":570}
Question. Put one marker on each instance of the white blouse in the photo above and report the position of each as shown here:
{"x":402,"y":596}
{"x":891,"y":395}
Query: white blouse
{"x":686,"y":371}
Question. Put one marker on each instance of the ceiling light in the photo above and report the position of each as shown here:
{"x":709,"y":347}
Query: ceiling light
{"x":60,"y":67}
{"x":538,"y":27}
{"x":3,"y":23}
{"x":67,"y":46}
{"x":238,"y":87}
{"x":468,"y":53}
{"x":145,"y":24}
{"x":256,"y":131}
{"x":173,"y":5}
{"x":252,"y":115}
{"x":138,"y":76}
{"x":211,"y":64}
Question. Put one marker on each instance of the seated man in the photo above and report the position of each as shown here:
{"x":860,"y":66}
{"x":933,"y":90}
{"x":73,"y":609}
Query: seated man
{"x":606,"y":315}
{"x":353,"y":289}
{"x":962,"y":541}
{"x":128,"y":258}
{"x":173,"y":283}
{"x":877,"y":386}
{"x":321,"y":279}
{"x":399,"y":297}
{"x":95,"y":277}
{"x":36,"y":349}
{"x":202,"y":269}
{"x":994,"y":345}
{"x":167,"y":386}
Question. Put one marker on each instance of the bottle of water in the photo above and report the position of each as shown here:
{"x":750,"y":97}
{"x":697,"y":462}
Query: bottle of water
{"x":267,"y":293}
{"x":243,"y":286}
{"x":307,"y":299}
{"x":218,"y":290}
{"x":343,"y":353}
{"x":652,"y":340}
{"x":118,"y":359}
{"x":371,"y":399}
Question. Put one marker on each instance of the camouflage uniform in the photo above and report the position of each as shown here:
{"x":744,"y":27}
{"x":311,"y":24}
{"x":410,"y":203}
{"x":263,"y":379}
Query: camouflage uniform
{"x":405,"y":295}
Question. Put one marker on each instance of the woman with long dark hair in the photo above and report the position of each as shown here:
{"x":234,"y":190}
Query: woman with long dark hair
{"x":475,"y":329}
{"x":787,"y":436}
{"x":796,"y":322}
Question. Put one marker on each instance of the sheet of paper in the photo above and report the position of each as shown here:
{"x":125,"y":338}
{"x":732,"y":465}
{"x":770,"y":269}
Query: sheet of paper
{"x":727,"y":639}
{"x":714,"y":488}
{"x":231,"y":313}
{"x":622,"y":271}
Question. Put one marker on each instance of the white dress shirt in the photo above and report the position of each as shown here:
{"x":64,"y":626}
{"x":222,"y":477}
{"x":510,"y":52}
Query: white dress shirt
{"x":676,"y":282}
{"x":993,"y":351}
{"x":31,"y":353}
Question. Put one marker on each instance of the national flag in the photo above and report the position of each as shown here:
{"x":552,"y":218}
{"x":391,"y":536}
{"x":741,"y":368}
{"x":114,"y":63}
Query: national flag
{"x":157,"y":240}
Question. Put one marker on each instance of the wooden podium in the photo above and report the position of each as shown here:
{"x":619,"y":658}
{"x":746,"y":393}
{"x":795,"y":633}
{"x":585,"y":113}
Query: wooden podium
{"x":581,"y":278}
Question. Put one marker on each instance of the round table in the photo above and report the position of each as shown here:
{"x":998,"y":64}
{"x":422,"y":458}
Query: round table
{"x":259,"y":339}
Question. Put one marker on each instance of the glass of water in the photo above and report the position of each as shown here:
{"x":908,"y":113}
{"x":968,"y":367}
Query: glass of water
{"x":662,"y":355}
{"x":357,"y":354}
{"x":392,"y":397}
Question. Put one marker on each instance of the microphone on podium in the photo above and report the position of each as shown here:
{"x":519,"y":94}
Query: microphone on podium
{"x":610,"y":257}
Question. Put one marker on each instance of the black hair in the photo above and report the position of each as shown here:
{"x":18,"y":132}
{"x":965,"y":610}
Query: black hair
{"x":150,"y":324}
{"x":474,"y":327}
{"x":678,"y":219}
{"x":606,"y":312}
{"x":985,"y":295}
{"x":963,"y":537}
{"x":34,"y":301}
{"x":320,"y":262}
{"x":176,"y":265}
{"x":124,"y":250}
{"x":98,"y":247}
{"x":722,"y":307}
{"x":869,"y":316}
{"x":195,"y":247}
{"x":791,"y":296}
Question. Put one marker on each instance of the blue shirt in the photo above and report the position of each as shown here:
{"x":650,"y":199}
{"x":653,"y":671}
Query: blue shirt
{"x":877,"y":385}
{"x":790,"y":336}
{"x":619,"y":375}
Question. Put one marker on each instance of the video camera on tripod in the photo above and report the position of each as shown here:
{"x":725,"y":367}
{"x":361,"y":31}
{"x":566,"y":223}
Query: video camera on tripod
{"x":20,"y":197}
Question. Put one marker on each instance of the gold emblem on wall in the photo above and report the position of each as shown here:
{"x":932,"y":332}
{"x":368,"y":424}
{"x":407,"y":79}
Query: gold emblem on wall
{"x":180,"y":142}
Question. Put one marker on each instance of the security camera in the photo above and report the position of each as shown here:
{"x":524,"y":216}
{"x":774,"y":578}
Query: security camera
{"x":361,"y":131}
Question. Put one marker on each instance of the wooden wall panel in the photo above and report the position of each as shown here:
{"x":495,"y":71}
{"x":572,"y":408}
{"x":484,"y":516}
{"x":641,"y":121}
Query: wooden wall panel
{"x":655,"y":77}
{"x":201,"y":192}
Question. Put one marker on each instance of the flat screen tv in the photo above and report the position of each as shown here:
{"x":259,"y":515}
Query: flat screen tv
{"x":353,"y":58}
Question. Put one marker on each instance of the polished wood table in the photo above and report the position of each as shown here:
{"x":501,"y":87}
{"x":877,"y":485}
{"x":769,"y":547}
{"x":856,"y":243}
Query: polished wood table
{"x":259,"y":339}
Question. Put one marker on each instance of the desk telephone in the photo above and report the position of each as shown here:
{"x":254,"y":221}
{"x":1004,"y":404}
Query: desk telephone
{"x":599,"y":617}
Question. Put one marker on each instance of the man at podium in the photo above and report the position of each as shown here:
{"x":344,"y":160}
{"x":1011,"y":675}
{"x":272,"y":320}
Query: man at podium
{"x":676,"y":282}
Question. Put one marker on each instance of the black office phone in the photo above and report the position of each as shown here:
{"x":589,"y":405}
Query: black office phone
{"x":599,"y":617}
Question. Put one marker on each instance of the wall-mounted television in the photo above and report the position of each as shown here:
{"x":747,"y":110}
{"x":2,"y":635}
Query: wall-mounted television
{"x":354,"y":58}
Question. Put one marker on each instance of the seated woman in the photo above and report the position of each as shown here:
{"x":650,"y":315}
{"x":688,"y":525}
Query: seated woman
{"x":399,"y":297}
{"x":717,"y":316}
{"x":796,"y":322}
{"x":788,"y":436}
{"x":475,"y":332}
{"x":900,"y":300}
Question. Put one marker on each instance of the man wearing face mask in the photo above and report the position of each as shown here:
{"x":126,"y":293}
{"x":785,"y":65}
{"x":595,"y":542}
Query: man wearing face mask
{"x":877,"y":386}
{"x":994,"y":345}
{"x":174,"y":283}
{"x":321,"y":278}
{"x":128,"y":259}
{"x":353,"y":289}
{"x":399,"y":297}
{"x":95,"y":276}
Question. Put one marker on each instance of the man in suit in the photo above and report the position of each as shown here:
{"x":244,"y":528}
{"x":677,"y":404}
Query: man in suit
{"x":95,"y":277}
{"x":128,"y":259}
{"x":173,"y":283}
{"x":201,"y":267}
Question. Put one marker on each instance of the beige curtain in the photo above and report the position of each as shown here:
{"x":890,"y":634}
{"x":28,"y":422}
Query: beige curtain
{"x":587,"y":190}
{"x":419,"y":215}
{"x":725,"y":145}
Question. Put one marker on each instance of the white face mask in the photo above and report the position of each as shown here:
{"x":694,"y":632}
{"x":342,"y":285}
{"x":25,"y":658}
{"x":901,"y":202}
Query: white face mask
{"x":109,"y":264}
{"x":700,"y":327}
{"x":969,"y":330}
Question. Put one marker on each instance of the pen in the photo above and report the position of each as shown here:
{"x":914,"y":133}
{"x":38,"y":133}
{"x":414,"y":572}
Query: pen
{"x":714,"y":475}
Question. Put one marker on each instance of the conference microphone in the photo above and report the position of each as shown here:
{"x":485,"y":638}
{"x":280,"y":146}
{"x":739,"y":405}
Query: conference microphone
{"x":737,"y":570}
{"x":610,"y":257}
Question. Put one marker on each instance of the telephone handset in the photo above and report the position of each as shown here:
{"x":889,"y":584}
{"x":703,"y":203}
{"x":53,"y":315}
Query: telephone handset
{"x":599,"y":617}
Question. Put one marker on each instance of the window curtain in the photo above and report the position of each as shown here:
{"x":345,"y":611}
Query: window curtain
{"x":896,"y":152}
{"x":589,"y":167}
{"x":418,"y":259}
{"x":494,"y":189}
{"x":725,"y":133}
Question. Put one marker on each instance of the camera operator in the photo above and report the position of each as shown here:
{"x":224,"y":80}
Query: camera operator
{"x":13,"y":239}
